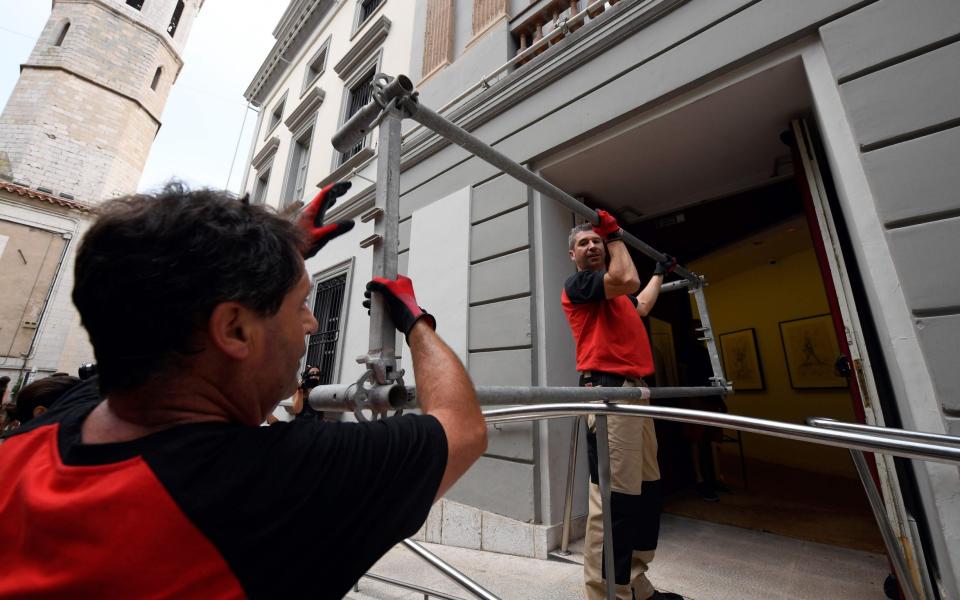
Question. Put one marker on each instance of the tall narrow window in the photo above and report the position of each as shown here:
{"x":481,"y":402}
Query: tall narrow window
{"x":156,"y":78}
{"x":137,"y":4}
{"x":327,"y":308}
{"x":276,"y":115}
{"x":316,"y":66}
{"x":358,"y":97}
{"x":260,"y":188}
{"x":63,"y":34}
{"x":175,"y":19}
{"x":299,"y":161}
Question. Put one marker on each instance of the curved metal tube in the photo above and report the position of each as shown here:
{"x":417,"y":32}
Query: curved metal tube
{"x":919,"y":436}
{"x":841,"y":439}
{"x":465,"y":582}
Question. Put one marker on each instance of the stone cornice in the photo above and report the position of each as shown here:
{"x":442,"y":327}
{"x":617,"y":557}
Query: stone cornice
{"x":295,"y":29}
{"x":266,"y":153}
{"x":363,"y":47}
{"x":576,"y":49}
{"x":361,"y":157}
{"x":355,"y":205}
{"x":309,"y":105}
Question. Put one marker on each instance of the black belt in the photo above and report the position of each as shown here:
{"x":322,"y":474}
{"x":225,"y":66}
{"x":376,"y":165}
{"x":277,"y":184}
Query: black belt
{"x":606,"y":379}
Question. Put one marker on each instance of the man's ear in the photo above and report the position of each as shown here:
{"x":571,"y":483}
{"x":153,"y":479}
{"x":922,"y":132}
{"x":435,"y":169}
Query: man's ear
{"x":571,"y":256}
{"x":230,"y":329}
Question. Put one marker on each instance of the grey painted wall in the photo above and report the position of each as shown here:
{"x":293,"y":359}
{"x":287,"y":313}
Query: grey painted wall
{"x":898,"y":64}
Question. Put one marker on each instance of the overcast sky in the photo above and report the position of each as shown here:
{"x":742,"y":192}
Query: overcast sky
{"x":203,"y":116}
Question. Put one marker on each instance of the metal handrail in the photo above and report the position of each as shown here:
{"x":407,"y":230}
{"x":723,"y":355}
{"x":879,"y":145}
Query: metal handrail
{"x":920,"y":436}
{"x":870,"y":442}
{"x":852,"y":436}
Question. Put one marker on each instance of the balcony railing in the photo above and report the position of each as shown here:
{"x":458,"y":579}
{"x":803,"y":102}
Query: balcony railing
{"x":554,"y":20}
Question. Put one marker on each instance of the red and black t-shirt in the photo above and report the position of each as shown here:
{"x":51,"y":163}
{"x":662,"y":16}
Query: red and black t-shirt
{"x":209,"y":510}
{"x":609,"y":333}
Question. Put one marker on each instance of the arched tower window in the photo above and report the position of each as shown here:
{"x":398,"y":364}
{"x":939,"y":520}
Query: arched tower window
{"x":63,"y":34}
{"x":156,"y":78}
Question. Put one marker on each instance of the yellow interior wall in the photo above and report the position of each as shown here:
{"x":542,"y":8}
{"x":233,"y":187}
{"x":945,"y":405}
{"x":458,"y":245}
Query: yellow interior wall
{"x":759,"y":298}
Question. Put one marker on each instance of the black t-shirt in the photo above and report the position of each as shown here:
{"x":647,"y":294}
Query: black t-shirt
{"x":293,"y":510}
{"x":584,"y":287}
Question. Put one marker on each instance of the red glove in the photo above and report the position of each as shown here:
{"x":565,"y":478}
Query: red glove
{"x":400,"y":301}
{"x":315,"y":233}
{"x":607,"y":227}
{"x":665,"y":266}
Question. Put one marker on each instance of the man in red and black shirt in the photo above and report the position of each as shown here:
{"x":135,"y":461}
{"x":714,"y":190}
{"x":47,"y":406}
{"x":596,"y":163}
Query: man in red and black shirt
{"x":604,"y":310}
{"x":155,"y":480}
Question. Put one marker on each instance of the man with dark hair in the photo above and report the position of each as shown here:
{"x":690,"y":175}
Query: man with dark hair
{"x":604,"y":304}
{"x":39,"y":396}
{"x":168,"y":487}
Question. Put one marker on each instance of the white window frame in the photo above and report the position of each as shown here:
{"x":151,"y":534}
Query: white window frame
{"x":341,"y":268}
{"x":309,"y":80}
{"x":298,"y":164}
{"x":261,"y":184}
{"x":275,"y":119}
{"x":349,"y":83}
{"x":357,"y":22}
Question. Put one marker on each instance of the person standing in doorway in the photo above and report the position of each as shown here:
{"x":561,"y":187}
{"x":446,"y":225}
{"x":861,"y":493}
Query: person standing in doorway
{"x":604,"y":310}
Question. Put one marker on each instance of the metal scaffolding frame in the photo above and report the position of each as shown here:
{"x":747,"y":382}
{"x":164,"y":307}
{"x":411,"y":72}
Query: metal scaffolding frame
{"x":381,"y":389}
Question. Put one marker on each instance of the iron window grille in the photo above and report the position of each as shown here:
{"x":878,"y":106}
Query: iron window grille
{"x":358,"y":97}
{"x":327,"y":308}
{"x":367,"y":8}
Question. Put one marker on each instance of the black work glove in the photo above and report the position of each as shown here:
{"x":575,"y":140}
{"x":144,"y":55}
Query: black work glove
{"x":315,"y":233}
{"x":400,"y":301}
{"x":666,"y":265}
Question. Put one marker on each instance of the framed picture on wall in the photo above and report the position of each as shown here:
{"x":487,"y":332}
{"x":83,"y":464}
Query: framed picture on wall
{"x":810,"y":348}
{"x":741,"y":361}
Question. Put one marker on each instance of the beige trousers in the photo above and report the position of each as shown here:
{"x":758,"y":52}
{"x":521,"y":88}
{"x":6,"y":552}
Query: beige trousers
{"x":633,"y":460}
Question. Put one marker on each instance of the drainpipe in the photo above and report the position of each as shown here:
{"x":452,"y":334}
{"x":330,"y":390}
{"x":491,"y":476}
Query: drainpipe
{"x":46,"y":301}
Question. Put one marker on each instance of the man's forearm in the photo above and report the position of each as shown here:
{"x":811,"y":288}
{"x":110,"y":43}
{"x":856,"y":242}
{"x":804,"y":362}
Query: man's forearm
{"x":621,"y":265}
{"x":442,"y":382}
{"x":648,"y":297}
{"x":445,"y":391}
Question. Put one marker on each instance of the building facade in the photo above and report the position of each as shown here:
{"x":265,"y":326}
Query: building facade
{"x":76,"y":130}
{"x":799,"y":155}
{"x":315,"y":77}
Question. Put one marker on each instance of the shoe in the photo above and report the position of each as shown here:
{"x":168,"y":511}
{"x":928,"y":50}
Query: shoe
{"x":706,"y":492}
{"x":719,"y":486}
{"x":665,"y":596}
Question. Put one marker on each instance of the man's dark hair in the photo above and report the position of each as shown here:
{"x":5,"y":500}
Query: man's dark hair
{"x":43,"y":392}
{"x":152,"y":268}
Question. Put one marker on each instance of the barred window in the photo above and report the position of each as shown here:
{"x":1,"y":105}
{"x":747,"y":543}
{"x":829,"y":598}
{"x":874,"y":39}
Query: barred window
{"x":367,"y":8}
{"x":359,"y":95}
{"x":327,"y":308}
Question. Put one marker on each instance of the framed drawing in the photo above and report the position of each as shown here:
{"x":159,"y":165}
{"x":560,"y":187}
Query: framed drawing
{"x":741,"y":361}
{"x":810,"y":348}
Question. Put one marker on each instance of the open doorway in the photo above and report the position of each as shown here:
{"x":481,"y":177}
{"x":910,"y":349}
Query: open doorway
{"x":713,"y":183}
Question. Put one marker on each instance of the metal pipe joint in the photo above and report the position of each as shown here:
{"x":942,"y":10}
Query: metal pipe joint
{"x":386,"y":89}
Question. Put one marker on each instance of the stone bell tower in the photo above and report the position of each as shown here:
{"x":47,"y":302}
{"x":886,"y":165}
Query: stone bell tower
{"x":87,"y":107}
